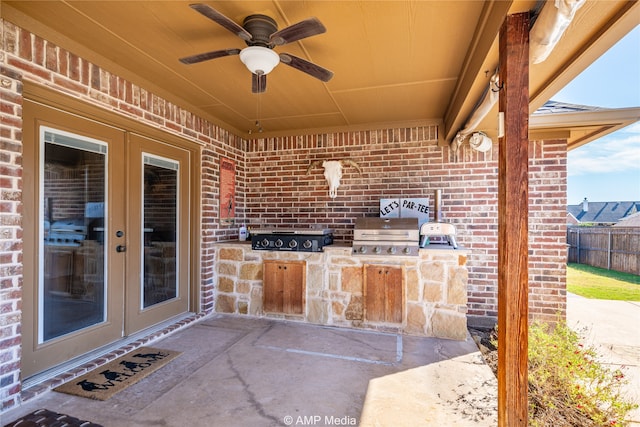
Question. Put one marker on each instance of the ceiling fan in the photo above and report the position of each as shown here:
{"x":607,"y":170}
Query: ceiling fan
{"x":261,"y":35}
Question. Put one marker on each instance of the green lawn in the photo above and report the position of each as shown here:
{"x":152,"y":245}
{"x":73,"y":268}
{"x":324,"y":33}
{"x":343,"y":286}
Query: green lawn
{"x":599,"y":283}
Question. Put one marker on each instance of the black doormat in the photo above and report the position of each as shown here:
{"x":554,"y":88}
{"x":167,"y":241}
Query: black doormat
{"x":47,"y":418}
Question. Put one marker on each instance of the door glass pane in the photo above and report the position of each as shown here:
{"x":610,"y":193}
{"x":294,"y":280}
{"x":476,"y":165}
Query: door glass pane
{"x":160,"y":219}
{"x":72,"y":277}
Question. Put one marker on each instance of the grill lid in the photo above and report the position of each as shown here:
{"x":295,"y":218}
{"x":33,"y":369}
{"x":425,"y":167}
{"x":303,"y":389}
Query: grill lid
{"x":386,"y":236}
{"x":389,"y":229}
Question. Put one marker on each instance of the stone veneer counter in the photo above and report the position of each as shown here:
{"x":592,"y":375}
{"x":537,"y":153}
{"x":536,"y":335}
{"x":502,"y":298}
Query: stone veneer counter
{"x":434,"y":296}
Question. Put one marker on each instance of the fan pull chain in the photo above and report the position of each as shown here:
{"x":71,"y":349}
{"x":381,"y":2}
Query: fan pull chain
{"x":259,"y":104}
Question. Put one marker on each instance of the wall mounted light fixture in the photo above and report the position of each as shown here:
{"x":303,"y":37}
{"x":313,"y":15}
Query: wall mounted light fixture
{"x":549,"y":26}
{"x":480,"y":142}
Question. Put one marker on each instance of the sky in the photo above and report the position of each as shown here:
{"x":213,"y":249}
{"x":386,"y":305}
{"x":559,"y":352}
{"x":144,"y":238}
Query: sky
{"x":607,"y":169}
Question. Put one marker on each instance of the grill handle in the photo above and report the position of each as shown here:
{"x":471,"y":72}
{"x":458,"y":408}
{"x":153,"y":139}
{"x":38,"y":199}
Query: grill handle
{"x":404,"y":234}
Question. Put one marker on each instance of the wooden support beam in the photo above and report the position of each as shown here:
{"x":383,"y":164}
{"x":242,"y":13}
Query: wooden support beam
{"x":513,"y":211}
{"x":470,"y":86}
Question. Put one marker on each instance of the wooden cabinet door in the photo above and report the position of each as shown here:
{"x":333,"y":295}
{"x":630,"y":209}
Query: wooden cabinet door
{"x":283,"y":287}
{"x":383,"y":294}
{"x":272,"y":287}
{"x":374,"y":293}
{"x":393,"y":306}
{"x":293,"y":285}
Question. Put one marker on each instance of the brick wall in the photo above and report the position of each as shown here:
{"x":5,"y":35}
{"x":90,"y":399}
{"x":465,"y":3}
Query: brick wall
{"x":273,"y":188}
{"x":409,"y":163}
{"x":395,"y":162}
{"x":10,"y":233}
{"x":547,"y":229}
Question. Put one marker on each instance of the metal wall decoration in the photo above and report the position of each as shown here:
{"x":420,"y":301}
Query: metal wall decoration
{"x":227,"y":191}
{"x":406,"y":208}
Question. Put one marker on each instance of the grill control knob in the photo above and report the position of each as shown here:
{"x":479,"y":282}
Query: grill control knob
{"x":391,"y":250}
{"x":307,"y":244}
{"x":278,"y":243}
{"x":265,"y":243}
{"x":293,"y":243}
{"x":407,"y":250}
{"x":363,"y":249}
{"x":376,"y":250}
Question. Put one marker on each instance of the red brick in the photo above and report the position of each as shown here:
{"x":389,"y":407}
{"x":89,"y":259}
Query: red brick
{"x":29,"y":68}
{"x":38,"y":56}
{"x":69,"y":84}
{"x":24,"y":43}
{"x":85,"y":77}
{"x":63,"y":62}
{"x":51,"y":57}
{"x":95,"y":77}
{"x":74,"y":67}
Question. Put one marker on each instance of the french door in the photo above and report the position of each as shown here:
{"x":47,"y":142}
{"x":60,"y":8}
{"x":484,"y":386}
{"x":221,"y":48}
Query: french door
{"x":158,"y":225}
{"x":106,"y":235}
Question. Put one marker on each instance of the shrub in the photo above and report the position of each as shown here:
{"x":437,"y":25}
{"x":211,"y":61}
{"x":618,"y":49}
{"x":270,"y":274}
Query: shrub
{"x":568,"y":386}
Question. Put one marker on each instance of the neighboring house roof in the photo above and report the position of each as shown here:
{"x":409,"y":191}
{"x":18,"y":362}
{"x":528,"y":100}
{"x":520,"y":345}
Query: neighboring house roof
{"x":602,"y":212}
{"x":632,"y":220}
{"x":578,"y":124}
{"x":554,"y":107}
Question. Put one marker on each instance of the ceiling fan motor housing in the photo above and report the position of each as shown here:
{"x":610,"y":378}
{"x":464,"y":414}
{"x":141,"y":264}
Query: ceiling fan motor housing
{"x":261,"y":27}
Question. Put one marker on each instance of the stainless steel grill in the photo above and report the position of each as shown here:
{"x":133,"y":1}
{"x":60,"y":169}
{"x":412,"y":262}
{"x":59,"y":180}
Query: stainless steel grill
{"x":386,"y":236}
{"x":291,"y":239}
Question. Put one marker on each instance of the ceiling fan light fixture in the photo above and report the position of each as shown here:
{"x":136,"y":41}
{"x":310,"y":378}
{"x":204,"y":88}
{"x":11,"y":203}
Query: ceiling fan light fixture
{"x":258,"y":59}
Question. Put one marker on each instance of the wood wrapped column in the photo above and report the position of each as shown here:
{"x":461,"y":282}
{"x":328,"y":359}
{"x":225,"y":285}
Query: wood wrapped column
{"x":513,"y":199}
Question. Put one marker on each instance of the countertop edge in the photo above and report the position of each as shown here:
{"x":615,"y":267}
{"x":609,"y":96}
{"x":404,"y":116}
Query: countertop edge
{"x":343,"y":246}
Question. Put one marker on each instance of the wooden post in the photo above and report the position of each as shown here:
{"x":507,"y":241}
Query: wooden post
{"x":513,"y":211}
{"x":578,"y":251}
{"x":609,"y":250}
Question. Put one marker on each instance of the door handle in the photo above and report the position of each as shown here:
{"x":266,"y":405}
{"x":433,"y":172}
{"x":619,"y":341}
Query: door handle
{"x":121,"y":248}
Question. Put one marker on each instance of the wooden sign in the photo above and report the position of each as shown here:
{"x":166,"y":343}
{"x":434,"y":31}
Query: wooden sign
{"x":227,"y":191}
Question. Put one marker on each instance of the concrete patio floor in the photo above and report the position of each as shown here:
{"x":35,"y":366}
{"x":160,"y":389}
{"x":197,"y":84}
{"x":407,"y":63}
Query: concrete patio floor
{"x":237,"y":371}
{"x":611,"y":328}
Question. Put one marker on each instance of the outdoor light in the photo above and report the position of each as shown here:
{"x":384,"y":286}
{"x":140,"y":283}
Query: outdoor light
{"x":487,"y":101}
{"x":258,"y":59}
{"x":480,"y":142}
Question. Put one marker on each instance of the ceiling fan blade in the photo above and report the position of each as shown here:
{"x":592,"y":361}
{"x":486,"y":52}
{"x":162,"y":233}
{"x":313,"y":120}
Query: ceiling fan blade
{"x":193,"y":59}
{"x":222,"y":20}
{"x":258,"y":83}
{"x":306,"y":67}
{"x":303,"y":29}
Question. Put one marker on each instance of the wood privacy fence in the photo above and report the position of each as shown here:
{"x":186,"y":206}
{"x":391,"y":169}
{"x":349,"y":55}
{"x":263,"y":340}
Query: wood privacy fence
{"x":613,"y":248}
